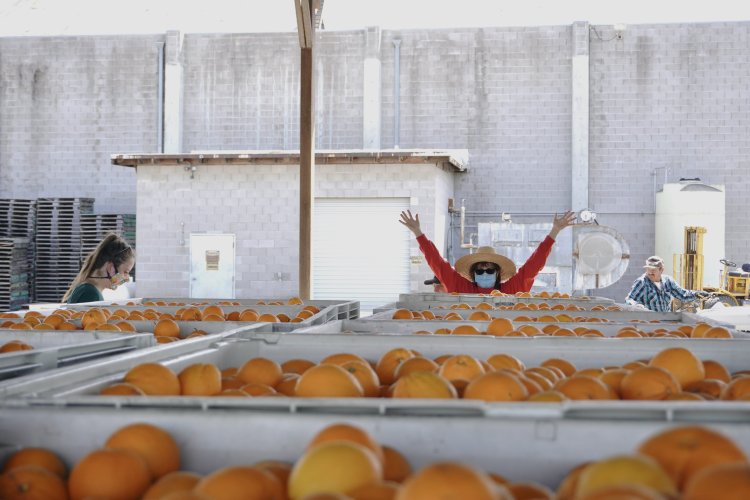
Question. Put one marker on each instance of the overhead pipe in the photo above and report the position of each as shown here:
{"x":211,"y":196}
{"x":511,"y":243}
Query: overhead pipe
{"x":396,"y":93}
{"x":160,"y":99}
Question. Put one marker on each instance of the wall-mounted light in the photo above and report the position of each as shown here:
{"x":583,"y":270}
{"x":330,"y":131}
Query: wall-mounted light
{"x":619,"y":30}
{"x":192,"y":169}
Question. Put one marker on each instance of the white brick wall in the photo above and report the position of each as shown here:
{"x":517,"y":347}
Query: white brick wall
{"x":260,"y":205}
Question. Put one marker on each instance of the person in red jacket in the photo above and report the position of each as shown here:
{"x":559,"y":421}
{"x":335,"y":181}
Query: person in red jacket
{"x":486,"y":270}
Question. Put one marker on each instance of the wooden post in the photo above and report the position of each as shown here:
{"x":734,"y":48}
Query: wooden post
{"x":306,"y":147}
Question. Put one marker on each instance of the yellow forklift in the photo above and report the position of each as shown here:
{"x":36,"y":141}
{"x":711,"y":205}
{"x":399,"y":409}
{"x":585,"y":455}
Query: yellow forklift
{"x":733,"y":282}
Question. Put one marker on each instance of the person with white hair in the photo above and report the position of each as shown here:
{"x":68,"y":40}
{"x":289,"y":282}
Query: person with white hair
{"x":654,"y":290}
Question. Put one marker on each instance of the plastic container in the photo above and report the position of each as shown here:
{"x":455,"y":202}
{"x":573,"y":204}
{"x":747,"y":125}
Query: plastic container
{"x":541,"y":444}
{"x":402,"y":327}
{"x":612,"y":316}
{"x":53,"y":349}
{"x":342,"y":309}
{"x":234,"y":350}
{"x":473,"y":299}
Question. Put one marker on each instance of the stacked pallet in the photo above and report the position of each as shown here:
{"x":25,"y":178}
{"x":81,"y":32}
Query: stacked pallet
{"x":15,"y":272}
{"x":58,"y":244}
{"x":18,"y":220}
{"x":95,"y":227}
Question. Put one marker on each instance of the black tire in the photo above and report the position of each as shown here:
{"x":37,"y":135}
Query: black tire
{"x":726,"y":299}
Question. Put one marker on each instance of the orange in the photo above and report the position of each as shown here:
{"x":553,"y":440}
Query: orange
{"x":213,"y":317}
{"x":178,"y":481}
{"x":707,"y":387}
{"x":334,"y":467}
{"x":591,"y":372}
{"x":235,"y":316}
{"x":196,"y":333}
{"x":584,"y":387}
{"x":530,"y":330}
{"x":649,"y":382}
{"x":287,"y":385}
{"x":551,"y":396}
{"x":258,"y":389}
{"x":93,"y":316}
{"x":402,"y":314}
{"x":29,"y":482}
{"x":429,"y":315}
{"x":542,"y":381}
{"x":54,"y":320}
{"x":699,"y":330}
{"x":122,"y":389}
{"x":231,"y":383}
{"x":153,"y":444}
{"x":424,"y":385}
{"x":564,"y":332}
{"x":683,"y":364}
{"x":281,"y":470}
{"x":567,"y":367}
{"x":465,"y":330}
{"x":453,"y":317}
{"x":298,"y":366}
{"x":461,"y":305}
{"x":15,"y":345}
{"x":479,"y":316}
{"x":380,"y":490}
{"x":548,"y":373}
{"x":499,"y":326}
{"x":461,"y":367}
{"x":496,"y":386}
{"x":685,"y":396}
{"x":717,"y":332}
{"x":166,"y":340}
{"x":396,"y":467}
{"x":268,"y":318}
{"x":449,"y":480}
{"x":567,"y":488}
{"x":530,"y":491}
{"x":685,"y":451}
{"x":716,"y":370}
{"x":260,"y":370}
{"x":366,"y":376}
{"x":39,"y":457}
{"x":720,"y":482}
{"x":200,"y":379}
{"x":154,"y":379}
{"x":416,"y":364}
{"x":388,"y":362}
{"x":350,"y":433}
{"x":20,"y":326}
{"x":124,"y":326}
{"x":213,"y":310}
{"x":240,"y":482}
{"x":189,"y":314}
{"x":167,"y":328}
{"x":613,"y":378}
{"x":109,"y":473}
{"x":625,"y":470}
{"x":500,"y":361}
{"x":328,"y":381}
{"x":341,"y":358}
{"x":737,"y":389}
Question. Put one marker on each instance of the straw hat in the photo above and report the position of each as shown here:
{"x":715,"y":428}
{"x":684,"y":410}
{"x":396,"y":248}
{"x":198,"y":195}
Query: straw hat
{"x":486,"y":254}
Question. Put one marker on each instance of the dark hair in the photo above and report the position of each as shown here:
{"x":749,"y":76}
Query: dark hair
{"x":112,"y":249}
{"x":498,"y":271}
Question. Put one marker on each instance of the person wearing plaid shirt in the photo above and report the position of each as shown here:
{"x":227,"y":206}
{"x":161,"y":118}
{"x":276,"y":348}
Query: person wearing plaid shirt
{"x":654,"y":290}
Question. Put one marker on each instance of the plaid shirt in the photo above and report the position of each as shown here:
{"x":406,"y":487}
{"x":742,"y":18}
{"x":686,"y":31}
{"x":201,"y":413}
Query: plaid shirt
{"x":645,"y":292}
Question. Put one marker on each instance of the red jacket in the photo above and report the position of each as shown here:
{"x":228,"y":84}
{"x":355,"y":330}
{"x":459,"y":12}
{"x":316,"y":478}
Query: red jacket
{"x":522,"y":281}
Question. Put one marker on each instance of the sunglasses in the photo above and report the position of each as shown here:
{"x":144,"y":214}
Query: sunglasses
{"x":482,"y":271}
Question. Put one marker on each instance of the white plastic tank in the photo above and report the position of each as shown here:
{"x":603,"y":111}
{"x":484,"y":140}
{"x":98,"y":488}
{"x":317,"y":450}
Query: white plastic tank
{"x":691,"y":203}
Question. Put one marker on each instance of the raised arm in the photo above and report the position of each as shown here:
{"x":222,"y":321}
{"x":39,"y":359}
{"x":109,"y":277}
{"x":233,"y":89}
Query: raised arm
{"x":560,"y":222}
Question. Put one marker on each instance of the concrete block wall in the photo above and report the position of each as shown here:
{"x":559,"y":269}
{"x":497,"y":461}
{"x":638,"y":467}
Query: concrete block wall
{"x":242,"y":91}
{"x":668,"y":101}
{"x":665,"y":99}
{"x":66,"y":105}
{"x":259,"y":204}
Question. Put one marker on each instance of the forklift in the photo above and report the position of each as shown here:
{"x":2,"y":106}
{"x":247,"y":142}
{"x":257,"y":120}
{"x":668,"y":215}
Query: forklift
{"x":734,"y":283}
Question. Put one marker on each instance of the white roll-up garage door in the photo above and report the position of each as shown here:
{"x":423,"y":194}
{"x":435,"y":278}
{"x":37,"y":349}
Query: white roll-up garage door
{"x":360,"y":250}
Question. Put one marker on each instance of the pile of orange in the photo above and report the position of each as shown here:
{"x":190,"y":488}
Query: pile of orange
{"x":14,"y":346}
{"x":672,"y":374}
